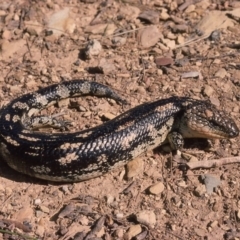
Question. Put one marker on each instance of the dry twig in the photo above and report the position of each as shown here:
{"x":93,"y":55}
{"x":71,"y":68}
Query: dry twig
{"x":213,"y":163}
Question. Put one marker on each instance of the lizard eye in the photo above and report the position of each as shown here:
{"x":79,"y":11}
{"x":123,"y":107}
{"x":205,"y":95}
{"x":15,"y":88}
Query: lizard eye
{"x":215,"y":123}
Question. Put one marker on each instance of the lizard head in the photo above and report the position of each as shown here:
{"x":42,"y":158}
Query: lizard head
{"x":204,"y":120}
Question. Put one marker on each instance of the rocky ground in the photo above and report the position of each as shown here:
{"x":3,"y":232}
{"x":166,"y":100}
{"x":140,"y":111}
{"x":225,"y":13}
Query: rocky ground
{"x":145,"y":50}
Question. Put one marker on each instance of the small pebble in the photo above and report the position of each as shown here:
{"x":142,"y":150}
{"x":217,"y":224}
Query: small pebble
{"x":93,"y":48}
{"x":66,"y":210}
{"x":108,"y":115}
{"x":63,"y":103}
{"x":110,"y":199}
{"x":39,"y":214}
{"x":6,"y":34}
{"x":37,"y":201}
{"x":215,"y":101}
{"x":221,"y":73}
{"x":214,"y":224}
{"x":134,"y":168}
{"x":182,"y":184}
{"x":182,"y":61}
{"x":133,"y":231}
{"x":156,"y":189}
{"x":119,"y":41}
{"x":2,"y":13}
{"x":119,"y":215}
{"x":61,"y":21}
{"x":215,"y":35}
{"x":44,"y":209}
{"x":208,"y":91}
{"x":169,"y":43}
{"x":8,"y":191}
{"x":180,"y":28}
{"x":180,"y":39}
{"x":200,"y":232}
{"x":149,"y":36}
{"x":84,"y":221}
{"x":40,"y":231}
{"x":190,"y":74}
{"x":211,"y":182}
{"x":164,"y":15}
{"x":119,"y":233}
{"x":146,"y":217}
{"x":150,"y":16}
{"x":190,"y":8}
{"x":65,"y":189}
{"x":164,"y":61}
{"x":200,"y":190}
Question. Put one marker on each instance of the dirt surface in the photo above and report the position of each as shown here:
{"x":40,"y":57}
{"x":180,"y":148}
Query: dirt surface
{"x":145,"y":50}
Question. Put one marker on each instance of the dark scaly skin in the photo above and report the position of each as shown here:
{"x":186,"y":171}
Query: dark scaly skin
{"x":70,"y":157}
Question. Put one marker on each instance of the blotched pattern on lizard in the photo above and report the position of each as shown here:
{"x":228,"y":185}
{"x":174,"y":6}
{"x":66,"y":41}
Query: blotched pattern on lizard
{"x":70,"y":157}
